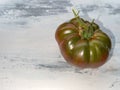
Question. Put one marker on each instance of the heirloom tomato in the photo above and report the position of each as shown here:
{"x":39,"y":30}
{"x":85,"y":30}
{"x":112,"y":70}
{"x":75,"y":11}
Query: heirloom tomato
{"x":82,"y":43}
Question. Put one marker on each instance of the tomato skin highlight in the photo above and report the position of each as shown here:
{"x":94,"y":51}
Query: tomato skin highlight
{"x":81,"y":52}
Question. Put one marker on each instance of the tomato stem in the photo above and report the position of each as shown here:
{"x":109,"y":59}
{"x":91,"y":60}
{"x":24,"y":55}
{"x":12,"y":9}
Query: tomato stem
{"x":81,"y":23}
{"x":88,"y":30}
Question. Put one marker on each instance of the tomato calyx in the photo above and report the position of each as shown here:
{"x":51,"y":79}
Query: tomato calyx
{"x":86,"y":31}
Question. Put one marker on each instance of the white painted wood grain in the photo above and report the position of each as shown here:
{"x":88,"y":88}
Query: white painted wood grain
{"x":30,"y":58}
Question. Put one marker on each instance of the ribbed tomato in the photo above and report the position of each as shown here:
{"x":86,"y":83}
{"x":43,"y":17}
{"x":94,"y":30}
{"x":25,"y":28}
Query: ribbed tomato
{"x":82,"y":43}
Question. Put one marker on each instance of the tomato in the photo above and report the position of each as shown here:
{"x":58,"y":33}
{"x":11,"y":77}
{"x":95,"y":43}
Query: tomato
{"x":83,"y":43}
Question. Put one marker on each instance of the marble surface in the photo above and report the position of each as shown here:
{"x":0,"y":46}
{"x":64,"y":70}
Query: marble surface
{"x":29,"y":55}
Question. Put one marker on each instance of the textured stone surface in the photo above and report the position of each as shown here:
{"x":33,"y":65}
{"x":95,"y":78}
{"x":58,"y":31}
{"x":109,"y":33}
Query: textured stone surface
{"x":29,"y":55}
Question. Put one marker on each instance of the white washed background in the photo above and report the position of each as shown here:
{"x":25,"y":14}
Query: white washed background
{"x":29,"y":55}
